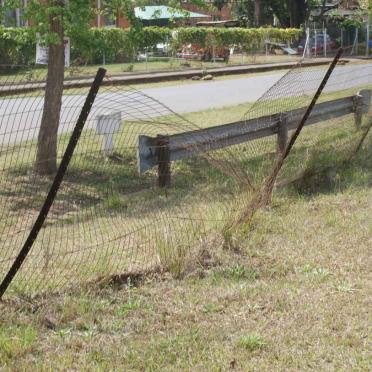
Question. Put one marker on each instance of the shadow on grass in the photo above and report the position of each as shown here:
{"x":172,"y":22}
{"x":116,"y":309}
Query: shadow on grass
{"x":114,"y":186}
{"x":337,"y":175}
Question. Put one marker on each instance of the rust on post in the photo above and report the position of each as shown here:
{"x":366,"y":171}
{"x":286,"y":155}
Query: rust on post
{"x":164,"y":169}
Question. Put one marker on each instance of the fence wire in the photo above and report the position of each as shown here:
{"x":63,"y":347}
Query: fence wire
{"x":108,"y":218}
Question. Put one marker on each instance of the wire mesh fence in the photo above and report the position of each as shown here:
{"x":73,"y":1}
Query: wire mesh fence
{"x":110,"y":217}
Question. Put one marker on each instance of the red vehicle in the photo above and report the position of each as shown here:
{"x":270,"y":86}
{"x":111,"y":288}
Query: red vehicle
{"x":195,"y":51}
{"x":316,"y":45}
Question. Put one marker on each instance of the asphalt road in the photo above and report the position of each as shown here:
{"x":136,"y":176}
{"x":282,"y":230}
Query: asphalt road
{"x":20,"y":117}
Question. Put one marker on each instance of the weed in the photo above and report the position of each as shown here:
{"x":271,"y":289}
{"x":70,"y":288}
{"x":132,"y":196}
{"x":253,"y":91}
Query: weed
{"x":63,"y":332}
{"x":212,"y":308}
{"x":129,"y":68}
{"x":128,"y":307}
{"x":314,"y":271}
{"x":176,"y":248}
{"x":16,"y":341}
{"x":251,"y":342}
{"x":237,"y":273}
{"x":114,"y":201}
{"x":345,"y":287}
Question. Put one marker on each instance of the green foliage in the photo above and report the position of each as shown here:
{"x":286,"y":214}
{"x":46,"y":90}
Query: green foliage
{"x":251,"y":342}
{"x":128,"y":307}
{"x":237,"y":273}
{"x":17,"y":45}
{"x":16,"y":342}
{"x":355,"y":21}
{"x":246,"y":38}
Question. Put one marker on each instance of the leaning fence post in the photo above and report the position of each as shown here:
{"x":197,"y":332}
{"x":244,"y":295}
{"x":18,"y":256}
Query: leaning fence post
{"x":48,"y":202}
{"x":164,"y":170}
{"x":282,"y":138}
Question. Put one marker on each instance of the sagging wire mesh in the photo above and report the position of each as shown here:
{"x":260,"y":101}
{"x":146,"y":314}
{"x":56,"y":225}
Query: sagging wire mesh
{"x":110,"y":215}
{"x":332,"y":135}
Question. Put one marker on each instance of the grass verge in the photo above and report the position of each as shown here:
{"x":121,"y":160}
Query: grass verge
{"x":295,"y":297}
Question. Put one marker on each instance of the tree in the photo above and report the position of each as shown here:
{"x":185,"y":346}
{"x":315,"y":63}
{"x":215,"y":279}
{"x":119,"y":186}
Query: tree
{"x":46,"y":156}
{"x":253,"y":13}
{"x":290,"y":13}
{"x":219,"y":4}
{"x":52,"y":20}
{"x":258,"y":12}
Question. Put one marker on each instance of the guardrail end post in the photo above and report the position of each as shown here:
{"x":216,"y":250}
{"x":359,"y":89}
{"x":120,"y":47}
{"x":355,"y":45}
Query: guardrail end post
{"x":163,"y":153}
{"x":282,"y":138}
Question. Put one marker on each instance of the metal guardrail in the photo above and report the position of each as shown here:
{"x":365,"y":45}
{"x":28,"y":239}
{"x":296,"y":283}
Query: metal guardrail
{"x":161,"y":150}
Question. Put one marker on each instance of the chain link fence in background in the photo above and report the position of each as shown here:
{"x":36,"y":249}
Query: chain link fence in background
{"x":148,"y":189}
{"x":325,"y":41}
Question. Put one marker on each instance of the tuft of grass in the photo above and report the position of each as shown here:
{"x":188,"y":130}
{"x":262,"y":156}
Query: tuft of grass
{"x":251,"y":342}
{"x":129,"y":306}
{"x":16,"y":342}
{"x":237,"y":273}
{"x":114,"y":201}
{"x":314,"y":271}
{"x":344,"y":286}
{"x":177,"y":250}
{"x":212,"y":308}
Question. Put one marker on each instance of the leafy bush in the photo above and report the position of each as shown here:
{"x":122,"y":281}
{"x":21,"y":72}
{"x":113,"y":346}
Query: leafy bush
{"x":245,"y":38}
{"x":17,"y":45}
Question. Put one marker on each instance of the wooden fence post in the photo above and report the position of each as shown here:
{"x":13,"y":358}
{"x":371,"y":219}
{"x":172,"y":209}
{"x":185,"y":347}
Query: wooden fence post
{"x":282,"y":138}
{"x":164,"y":169}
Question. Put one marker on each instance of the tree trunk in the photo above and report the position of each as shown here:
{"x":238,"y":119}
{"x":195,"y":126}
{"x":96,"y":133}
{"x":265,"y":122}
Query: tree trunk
{"x":280,"y":9}
{"x":258,"y":12}
{"x":46,"y":158}
{"x":297,"y":12}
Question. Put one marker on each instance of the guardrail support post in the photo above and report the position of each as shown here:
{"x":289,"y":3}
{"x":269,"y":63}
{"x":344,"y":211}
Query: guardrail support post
{"x":362,"y":103}
{"x":282,"y":138}
{"x":164,"y":169}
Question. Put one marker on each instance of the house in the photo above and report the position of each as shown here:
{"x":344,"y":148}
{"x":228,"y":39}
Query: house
{"x":14,"y":18}
{"x":223,"y":14}
{"x":166,"y":16}
{"x":149,"y":15}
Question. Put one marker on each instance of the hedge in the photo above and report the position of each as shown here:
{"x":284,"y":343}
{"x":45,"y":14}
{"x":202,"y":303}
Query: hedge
{"x":17,"y":45}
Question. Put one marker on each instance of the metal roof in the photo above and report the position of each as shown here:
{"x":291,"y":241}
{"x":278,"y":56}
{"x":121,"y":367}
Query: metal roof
{"x":164,"y":12}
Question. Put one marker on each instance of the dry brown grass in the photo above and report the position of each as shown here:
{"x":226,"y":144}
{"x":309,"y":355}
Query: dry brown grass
{"x":296,"y":297}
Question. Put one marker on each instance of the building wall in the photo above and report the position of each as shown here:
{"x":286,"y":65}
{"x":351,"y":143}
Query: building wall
{"x":350,"y":4}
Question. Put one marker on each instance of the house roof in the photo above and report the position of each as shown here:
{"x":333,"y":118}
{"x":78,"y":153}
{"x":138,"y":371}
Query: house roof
{"x":163,"y":12}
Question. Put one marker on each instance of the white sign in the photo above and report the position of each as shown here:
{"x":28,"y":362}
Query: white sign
{"x":108,"y":125}
{"x":42,"y":53}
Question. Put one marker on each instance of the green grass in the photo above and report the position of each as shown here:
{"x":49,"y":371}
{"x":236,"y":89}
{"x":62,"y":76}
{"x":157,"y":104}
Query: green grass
{"x":153,"y":65}
{"x":251,"y":342}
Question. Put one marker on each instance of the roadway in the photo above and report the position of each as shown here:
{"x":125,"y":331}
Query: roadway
{"x":20,"y":117}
